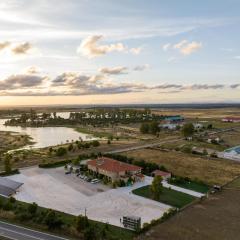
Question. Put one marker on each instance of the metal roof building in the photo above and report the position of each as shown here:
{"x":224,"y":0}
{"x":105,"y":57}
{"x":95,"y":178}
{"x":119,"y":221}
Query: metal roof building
{"x":8,"y":187}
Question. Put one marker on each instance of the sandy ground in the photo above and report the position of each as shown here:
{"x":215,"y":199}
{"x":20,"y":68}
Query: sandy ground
{"x":51,"y":188}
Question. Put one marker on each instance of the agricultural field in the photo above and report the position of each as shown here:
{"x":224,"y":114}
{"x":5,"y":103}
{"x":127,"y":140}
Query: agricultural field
{"x":209,"y":170}
{"x":216,"y":218}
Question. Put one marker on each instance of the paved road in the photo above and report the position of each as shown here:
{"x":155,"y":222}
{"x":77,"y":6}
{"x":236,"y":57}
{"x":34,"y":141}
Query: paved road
{"x":15,"y":232}
{"x":155,"y":144}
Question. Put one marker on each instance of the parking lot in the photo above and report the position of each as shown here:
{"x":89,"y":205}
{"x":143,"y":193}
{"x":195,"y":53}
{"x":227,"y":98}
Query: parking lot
{"x":52,"y":188}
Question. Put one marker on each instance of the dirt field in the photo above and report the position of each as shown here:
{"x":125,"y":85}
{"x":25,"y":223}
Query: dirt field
{"x":216,"y":218}
{"x":201,"y":113}
{"x":211,"y":171}
{"x":9,"y":140}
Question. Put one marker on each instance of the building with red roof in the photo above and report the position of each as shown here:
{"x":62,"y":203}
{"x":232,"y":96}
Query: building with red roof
{"x":164,"y":175}
{"x":231,"y":119}
{"x":114,"y":170}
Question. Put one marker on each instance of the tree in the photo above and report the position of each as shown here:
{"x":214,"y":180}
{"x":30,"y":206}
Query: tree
{"x":61,"y":151}
{"x":32,"y":208}
{"x":153,"y":127}
{"x":144,"y":128}
{"x":156,"y":187}
{"x":7,"y":165}
{"x":52,"y":220}
{"x":188,"y":130}
{"x":81,"y":223}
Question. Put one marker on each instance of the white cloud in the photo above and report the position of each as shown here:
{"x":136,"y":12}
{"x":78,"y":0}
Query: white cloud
{"x":135,"y":51}
{"x":180,"y":44}
{"x":90,"y":47}
{"x":190,"y":48}
{"x":114,"y":70}
{"x":166,"y":46}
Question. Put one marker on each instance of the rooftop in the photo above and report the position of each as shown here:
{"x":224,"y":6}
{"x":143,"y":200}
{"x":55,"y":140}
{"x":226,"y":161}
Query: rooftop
{"x":236,"y":149}
{"x":161,"y":173}
{"x":8,"y":186}
{"x":111,"y":165}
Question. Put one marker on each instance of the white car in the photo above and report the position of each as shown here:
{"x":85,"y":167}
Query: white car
{"x":95,"y":181}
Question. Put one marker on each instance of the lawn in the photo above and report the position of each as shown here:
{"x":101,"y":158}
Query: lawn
{"x":168,"y":196}
{"x":195,"y":186}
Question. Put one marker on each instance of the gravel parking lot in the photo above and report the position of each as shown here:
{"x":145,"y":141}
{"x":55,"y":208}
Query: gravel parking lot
{"x":51,"y":188}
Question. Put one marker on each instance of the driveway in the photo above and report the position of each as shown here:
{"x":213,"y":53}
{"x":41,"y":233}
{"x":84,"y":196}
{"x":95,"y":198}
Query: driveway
{"x":51,"y":188}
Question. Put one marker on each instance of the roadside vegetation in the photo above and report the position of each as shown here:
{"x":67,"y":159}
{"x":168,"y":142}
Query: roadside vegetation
{"x":80,"y":227}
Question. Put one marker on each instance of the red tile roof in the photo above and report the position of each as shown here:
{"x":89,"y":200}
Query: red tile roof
{"x":112,"y":165}
{"x":161,"y":173}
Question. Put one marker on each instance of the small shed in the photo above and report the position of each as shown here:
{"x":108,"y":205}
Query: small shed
{"x":8,"y":187}
{"x":164,"y":175}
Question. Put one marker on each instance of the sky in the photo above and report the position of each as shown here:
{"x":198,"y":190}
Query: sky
{"x":119,"y":52}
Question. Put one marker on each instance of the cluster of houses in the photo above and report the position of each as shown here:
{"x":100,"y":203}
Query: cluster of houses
{"x":231,"y":119}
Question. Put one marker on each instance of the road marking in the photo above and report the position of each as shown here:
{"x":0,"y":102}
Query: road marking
{"x":19,"y":233}
{"x":31,"y":230}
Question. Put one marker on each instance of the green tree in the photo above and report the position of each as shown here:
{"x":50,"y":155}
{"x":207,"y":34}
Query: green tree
{"x":81,"y":223}
{"x":32,"y":208}
{"x":7,"y":165}
{"x":153,"y":128}
{"x":52,"y":220}
{"x":61,"y":151}
{"x":144,"y":128}
{"x":188,"y":130}
{"x":156,"y":187}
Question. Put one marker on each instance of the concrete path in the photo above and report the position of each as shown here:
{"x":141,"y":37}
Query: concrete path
{"x":183,"y":190}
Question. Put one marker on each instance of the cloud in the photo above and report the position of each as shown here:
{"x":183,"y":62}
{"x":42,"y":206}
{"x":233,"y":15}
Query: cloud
{"x":237,"y":57}
{"x":21,"y":48}
{"x":166,"y":46}
{"x":4,"y":45}
{"x":114,"y":70}
{"x":32,"y":70}
{"x":141,"y":67}
{"x":190,"y":48}
{"x":185,"y":47}
{"x":135,"y":51}
{"x":21,"y":81}
{"x":90,"y":47}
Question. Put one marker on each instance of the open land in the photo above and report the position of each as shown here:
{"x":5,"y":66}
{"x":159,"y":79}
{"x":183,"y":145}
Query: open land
{"x":188,"y":165}
{"x":215,"y":218}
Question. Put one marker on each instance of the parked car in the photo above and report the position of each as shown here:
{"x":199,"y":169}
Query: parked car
{"x":95,"y":181}
{"x":68,"y":172}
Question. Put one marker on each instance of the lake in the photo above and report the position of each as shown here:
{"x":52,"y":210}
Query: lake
{"x":47,"y":136}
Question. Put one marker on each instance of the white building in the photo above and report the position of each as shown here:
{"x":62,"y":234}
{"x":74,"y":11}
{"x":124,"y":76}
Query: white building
{"x":231,"y":153}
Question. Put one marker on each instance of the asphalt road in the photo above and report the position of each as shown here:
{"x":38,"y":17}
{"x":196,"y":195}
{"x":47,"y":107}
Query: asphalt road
{"x":155,"y":144}
{"x":15,"y":232}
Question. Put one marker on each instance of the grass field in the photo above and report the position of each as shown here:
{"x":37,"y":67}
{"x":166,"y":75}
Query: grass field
{"x":198,"y":187}
{"x":168,"y":196}
{"x":210,"y":171}
{"x":216,"y":218}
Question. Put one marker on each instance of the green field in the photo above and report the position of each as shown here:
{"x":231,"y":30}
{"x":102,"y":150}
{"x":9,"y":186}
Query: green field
{"x":198,"y":187}
{"x":168,"y":196}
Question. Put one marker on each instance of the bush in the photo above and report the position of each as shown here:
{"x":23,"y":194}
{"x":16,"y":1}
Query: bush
{"x":61,"y":151}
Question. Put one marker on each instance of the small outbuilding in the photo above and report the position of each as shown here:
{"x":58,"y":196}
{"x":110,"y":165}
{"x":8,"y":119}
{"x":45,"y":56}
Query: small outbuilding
{"x":164,"y":175}
{"x":8,"y":187}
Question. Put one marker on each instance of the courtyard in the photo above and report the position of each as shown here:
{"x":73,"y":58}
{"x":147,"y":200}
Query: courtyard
{"x":52,"y":188}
